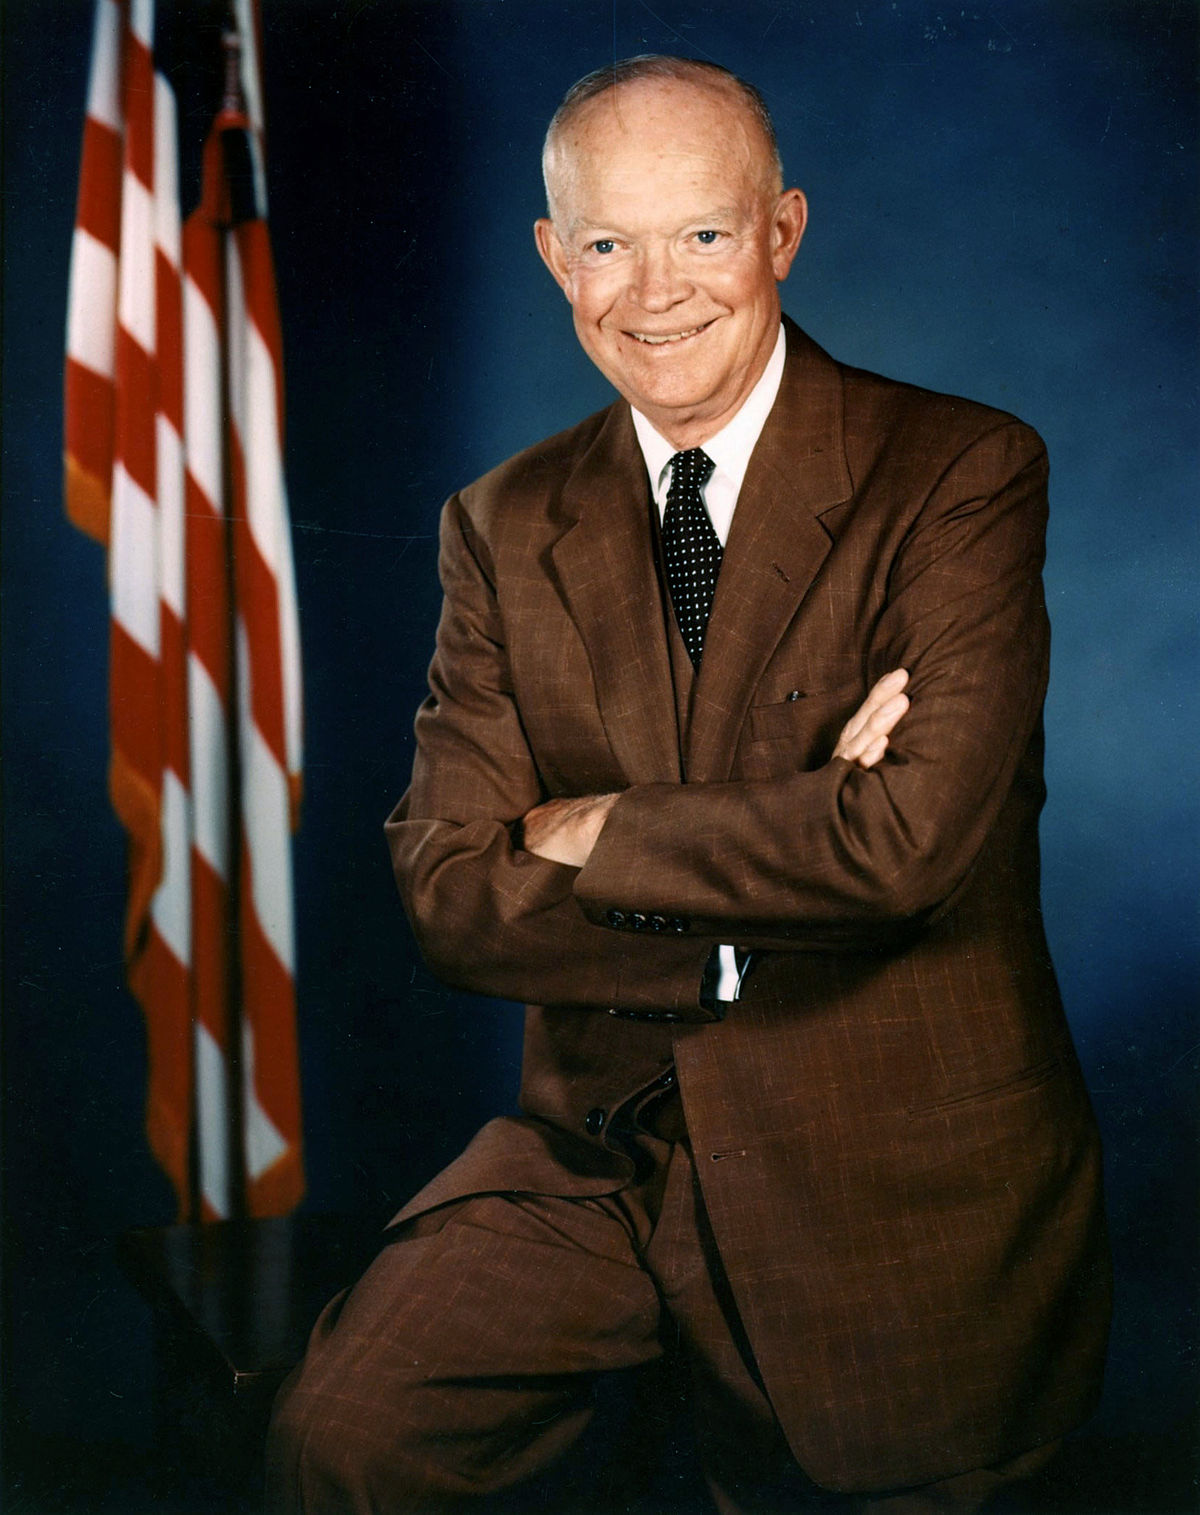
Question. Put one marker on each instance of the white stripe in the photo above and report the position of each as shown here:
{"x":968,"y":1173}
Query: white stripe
{"x":212,"y":1121}
{"x":104,"y":82}
{"x":266,"y":825}
{"x":136,"y":293}
{"x":141,"y":22}
{"x":133,"y":561}
{"x":253,"y":404}
{"x":166,"y":172}
{"x":171,"y":563}
{"x":92,"y":304}
{"x":202,"y":395}
{"x":266,"y":505}
{"x":209,"y":760}
{"x":264,"y":1144}
{"x":171,"y":907}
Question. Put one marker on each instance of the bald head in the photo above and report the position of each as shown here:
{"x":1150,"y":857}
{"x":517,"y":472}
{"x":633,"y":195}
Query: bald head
{"x":613,"y":90}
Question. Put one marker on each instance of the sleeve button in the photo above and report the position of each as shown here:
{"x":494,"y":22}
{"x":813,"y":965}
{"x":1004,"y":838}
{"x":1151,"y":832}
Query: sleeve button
{"x":593,"y":1121}
{"x":615,"y":918}
{"x":638,"y":921}
{"x":658,"y":923}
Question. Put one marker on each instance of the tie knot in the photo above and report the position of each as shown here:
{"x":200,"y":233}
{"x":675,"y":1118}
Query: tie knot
{"x":690,"y":470}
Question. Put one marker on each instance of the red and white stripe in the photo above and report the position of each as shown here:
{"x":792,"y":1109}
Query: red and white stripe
{"x":174,"y":426}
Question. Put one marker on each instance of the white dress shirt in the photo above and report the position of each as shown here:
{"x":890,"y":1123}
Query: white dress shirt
{"x":730,"y":451}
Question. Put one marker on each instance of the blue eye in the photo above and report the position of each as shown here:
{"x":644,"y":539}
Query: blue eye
{"x":707,"y":238}
{"x":605,"y":245}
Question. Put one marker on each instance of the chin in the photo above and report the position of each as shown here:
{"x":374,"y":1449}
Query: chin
{"x":657,"y":380}
{"x":681,"y":400}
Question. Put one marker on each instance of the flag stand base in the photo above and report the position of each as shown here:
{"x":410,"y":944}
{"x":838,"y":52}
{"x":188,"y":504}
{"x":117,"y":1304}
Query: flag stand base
{"x":233,"y":1304}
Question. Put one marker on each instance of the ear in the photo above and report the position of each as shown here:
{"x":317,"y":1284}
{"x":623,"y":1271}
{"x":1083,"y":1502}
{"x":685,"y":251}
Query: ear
{"x":553,"y":254}
{"x":787,"y":228}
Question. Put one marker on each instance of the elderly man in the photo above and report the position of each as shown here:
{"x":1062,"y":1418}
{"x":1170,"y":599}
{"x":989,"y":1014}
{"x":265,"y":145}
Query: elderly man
{"x":731,"y":768}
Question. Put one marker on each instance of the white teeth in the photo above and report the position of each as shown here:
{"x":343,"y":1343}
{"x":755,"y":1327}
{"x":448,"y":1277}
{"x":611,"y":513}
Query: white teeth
{"x":659,"y":341}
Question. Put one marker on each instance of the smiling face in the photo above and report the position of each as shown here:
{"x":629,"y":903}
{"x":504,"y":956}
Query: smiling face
{"x":668,"y":235}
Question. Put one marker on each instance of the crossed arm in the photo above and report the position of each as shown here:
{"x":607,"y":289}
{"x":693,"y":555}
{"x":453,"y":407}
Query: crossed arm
{"x":566,"y":830}
{"x":509,"y":894}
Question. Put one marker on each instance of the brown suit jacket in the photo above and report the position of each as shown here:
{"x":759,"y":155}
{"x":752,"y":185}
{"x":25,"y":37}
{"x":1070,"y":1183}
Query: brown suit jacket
{"x":896,"y":1150}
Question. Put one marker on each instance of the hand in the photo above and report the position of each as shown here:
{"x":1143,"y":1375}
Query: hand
{"x":865,"y":735}
{"x":565,"y":831}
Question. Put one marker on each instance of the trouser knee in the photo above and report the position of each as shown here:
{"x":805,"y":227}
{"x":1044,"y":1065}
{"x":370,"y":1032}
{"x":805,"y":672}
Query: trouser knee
{"x":328,"y":1456}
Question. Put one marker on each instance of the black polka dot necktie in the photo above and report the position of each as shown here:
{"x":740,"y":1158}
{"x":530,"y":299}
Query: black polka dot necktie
{"x":691,"y":548}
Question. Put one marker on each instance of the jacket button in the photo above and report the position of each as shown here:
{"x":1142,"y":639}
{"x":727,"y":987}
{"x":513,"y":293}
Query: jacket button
{"x":793,"y":694}
{"x":593,"y":1121}
{"x":616,"y":919}
{"x":638,"y":921}
{"x":658,"y":923}
{"x":666,"y":1080}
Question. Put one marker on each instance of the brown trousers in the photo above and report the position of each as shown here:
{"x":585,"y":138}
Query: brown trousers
{"x":463,"y":1362}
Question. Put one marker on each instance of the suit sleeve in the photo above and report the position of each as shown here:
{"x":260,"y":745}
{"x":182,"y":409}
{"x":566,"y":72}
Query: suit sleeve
{"x":839,"y":857}
{"x":487,"y":915}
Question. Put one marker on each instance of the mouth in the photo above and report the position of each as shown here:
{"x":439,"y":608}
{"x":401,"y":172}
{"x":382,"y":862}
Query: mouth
{"x":667,"y":339}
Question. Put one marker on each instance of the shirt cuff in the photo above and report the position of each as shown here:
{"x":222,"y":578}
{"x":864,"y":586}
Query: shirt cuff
{"x":723,"y":975}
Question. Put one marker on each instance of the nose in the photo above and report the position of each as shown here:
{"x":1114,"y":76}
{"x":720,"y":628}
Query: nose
{"x":659,"y":282}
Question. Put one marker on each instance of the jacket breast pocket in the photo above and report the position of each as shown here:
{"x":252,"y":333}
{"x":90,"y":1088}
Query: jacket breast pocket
{"x":802,"y":711}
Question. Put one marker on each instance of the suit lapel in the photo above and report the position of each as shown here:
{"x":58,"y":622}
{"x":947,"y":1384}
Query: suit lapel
{"x":604,"y":560}
{"x":776,"y":546}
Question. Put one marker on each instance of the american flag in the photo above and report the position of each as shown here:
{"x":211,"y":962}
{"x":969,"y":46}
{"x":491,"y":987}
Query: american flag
{"x":174,"y":430}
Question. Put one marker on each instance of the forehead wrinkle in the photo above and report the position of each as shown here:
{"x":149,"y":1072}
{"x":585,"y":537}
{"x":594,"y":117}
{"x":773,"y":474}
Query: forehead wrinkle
{"x":582,"y":173}
{"x":701,"y":219}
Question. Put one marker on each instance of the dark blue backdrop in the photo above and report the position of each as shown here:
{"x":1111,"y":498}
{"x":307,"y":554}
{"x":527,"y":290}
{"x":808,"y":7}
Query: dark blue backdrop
{"x":1003,"y":204}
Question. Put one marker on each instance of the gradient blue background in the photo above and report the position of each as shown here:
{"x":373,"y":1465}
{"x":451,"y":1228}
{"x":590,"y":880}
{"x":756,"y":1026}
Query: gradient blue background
{"x":1003,"y":204}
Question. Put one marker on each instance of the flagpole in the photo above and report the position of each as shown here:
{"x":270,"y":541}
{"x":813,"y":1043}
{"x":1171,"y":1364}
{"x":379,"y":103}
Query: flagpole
{"x":233,"y":103}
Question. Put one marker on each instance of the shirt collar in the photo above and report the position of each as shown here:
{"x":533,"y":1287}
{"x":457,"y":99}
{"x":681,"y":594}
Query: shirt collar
{"x":729,"y":448}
